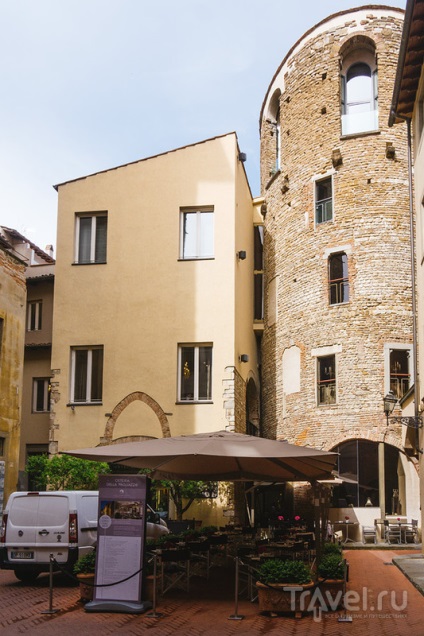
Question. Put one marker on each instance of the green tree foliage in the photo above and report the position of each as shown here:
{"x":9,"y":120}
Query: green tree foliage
{"x":63,"y":472}
{"x":183,"y":492}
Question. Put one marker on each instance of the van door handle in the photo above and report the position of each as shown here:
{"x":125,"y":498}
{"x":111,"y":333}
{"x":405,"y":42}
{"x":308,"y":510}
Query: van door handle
{"x":44,"y":532}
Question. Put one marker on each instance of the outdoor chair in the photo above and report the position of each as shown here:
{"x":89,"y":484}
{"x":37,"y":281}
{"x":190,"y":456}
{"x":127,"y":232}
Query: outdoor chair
{"x":175,"y":569}
{"x":369,"y":532}
{"x":199,"y":558}
{"x":411,"y":531}
{"x":392,"y":532}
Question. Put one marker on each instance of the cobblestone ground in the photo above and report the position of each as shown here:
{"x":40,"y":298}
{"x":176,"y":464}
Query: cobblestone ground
{"x":385,"y":604}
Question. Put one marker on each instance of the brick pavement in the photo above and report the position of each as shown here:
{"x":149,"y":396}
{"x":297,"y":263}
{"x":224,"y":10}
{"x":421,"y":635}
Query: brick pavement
{"x":207,"y":609}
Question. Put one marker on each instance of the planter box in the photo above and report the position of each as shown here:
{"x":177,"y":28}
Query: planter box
{"x":274,"y":599}
{"x":332,"y":593}
{"x":86,"y":591}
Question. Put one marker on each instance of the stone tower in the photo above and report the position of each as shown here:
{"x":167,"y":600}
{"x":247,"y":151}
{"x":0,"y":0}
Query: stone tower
{"x":338,"y":314}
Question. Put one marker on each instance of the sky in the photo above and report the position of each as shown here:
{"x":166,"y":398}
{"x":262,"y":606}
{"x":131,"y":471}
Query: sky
{"x":87,"y":85}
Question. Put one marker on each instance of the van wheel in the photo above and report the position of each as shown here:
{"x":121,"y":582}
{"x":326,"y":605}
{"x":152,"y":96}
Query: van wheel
{"x":26,"y":576}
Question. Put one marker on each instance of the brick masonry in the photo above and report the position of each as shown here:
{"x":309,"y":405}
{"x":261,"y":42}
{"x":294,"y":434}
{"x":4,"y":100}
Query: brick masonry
{"x":371,"y":223}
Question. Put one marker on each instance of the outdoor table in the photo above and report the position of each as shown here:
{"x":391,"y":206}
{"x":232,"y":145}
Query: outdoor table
{"x":346,"y":523}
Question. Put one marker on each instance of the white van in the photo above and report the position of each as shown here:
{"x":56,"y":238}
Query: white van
{"x":62,"y":523}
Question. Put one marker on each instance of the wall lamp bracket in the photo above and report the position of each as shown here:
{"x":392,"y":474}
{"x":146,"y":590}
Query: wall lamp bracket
{"x":244,"y":357}
{"x":241,"y":255}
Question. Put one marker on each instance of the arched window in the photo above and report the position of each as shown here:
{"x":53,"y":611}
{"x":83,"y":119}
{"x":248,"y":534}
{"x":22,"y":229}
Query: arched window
{"x":359,"y":89}
{"x":338,"y":280}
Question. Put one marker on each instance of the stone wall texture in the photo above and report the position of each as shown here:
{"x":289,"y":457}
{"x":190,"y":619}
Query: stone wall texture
{"x":370,"y":223}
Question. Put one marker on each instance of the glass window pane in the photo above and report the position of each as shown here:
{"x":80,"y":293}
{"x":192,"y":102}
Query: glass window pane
{"x":101,"y":233}
{"x":96,"y":375}
{"x":359,"y":86}
{"x":84,"y":245}
{"x":189,"y":235}
{"x":39,"y":388}
{"x":187,"y":373}
{"x":205,"y":373}
{"x":206,"y":234}
{"x":80,"y":379}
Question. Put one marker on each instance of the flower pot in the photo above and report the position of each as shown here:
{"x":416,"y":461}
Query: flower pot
{"x":331,"y":593}
{"x":86,"y":590}
{"x":284,"y":598}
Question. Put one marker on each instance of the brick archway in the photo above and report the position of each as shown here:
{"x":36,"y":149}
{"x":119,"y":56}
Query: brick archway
{"x":126,"y":401}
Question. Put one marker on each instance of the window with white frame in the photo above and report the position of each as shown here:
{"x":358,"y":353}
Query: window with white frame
{"x":34,"y":315}
{"x":326,"y":379}
{"x":86,"y":375}
{"x":40,"y":395}
{"x":196,"y":233}
{"x":338,"y":280}
{"x":359,"y":88}
{"x":91,"y":238}
{"x":400,"y":374}
{"x":323,"y":200}
{"x":195,"y":373}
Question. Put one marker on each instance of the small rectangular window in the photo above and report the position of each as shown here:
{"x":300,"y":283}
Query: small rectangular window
{"x":400,"y":376}
{"x":326,"y":379}
{"x":323,"y":200}
{"x":2,"y":446}
{"x":258,"y":273}
{"x":197,"y":233}
{"x":91,"y":238}
{"x":195,"y":373}
{"x":338,"y":281}
{"x":34,"y":315}
{"x":40,"y":395}
{"x":87,"y":374}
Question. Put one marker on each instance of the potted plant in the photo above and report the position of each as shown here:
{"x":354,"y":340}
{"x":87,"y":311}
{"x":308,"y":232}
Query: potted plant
{"x":331,"y":579}
{"x":84,"y":570}
{"x":283,"y":586}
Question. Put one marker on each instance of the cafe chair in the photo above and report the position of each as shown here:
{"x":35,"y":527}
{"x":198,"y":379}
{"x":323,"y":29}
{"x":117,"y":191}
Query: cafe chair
{"x":411,"y":532}
{"x":175,"y":569}
{"x":392,"y":532}
{"x":199,"y":558}
{"x":369,"y":532}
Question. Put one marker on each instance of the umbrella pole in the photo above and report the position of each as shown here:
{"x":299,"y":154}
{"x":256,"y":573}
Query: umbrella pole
{"x":236,"y":616}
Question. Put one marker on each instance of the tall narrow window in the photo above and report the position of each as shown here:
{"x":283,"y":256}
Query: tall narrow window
{"x":91,"y":238}
{"x":326,"y":379}
{"x":400,"y":376}
{"x":258,"y":272}
{"x":34,"y":315}
{"x":359,"y":88}
{"x":40,"y":395}
{"x":338,"y":281}
{"x":195,"y":373}
{"x":86,"y":374}
{"x":323,"y":200}
{"x":197,"y":233}
{"x":277,"y":134}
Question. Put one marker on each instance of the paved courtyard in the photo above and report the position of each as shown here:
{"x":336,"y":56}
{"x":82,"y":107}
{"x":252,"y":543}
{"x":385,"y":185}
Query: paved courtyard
{"x":382,"y":602}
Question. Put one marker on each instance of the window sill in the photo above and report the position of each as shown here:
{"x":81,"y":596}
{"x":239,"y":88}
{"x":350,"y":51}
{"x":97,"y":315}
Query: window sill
{"x":74,"y":404}
{"x":343,"y":304}
{"x":188,"y":402}
{"x":365,"y":133}
{"x":198,"y":258}
{"x":90,"y":263}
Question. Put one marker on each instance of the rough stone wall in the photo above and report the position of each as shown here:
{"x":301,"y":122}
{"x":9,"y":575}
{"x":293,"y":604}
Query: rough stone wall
{"x":234,"y":396}
{"x":370,"y":222}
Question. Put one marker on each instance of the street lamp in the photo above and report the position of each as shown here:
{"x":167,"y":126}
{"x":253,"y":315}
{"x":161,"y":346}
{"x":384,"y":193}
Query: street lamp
{"x":389,"y":404}
{"x":413,"y":421}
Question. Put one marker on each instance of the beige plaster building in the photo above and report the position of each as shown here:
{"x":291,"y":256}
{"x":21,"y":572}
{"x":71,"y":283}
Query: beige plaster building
{"x":154,"y":331}
{"x":338,"y":303}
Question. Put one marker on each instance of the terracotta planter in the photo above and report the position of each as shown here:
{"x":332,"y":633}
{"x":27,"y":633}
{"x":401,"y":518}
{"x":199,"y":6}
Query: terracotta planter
{"x":332,"y":593}
{"x":86,"y":591}
{"x":274,"y":599}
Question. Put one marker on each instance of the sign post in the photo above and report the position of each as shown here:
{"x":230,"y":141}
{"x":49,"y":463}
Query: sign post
{"x":120,"y":545}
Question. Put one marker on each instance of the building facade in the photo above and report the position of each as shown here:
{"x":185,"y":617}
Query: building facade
{"x":12,"y":334}
{"x":153,"y":328}
{"x":338,"y":312}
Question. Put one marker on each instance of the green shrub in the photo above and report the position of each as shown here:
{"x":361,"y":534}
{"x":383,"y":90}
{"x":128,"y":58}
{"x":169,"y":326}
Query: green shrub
{"x":280,"y":571}
{"x":332,"y":548}
{"x":331,"y":566}
{"x":86,"y":564}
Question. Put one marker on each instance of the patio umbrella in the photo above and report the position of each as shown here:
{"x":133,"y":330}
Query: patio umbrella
{"x":217,"y":456}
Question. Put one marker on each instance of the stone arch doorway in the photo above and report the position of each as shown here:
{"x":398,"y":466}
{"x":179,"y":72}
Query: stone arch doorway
{"x":252,"y":409}
{"x":122,"y":405}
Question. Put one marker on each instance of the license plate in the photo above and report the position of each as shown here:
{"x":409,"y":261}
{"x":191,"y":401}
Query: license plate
{"x":22,"y":554}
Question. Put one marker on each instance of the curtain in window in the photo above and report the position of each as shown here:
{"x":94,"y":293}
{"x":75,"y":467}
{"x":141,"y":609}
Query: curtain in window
{"x":84,"y":244}
{"x":101,"y":233}
{"x":187,"y":373}
{"x":80,"y":378}
{"x":96,"y":375}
